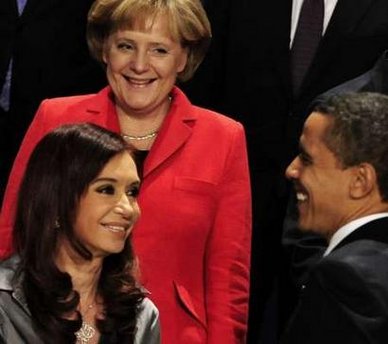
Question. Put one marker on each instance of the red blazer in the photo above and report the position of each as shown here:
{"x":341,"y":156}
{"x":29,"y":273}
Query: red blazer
{"x":193,"y":238}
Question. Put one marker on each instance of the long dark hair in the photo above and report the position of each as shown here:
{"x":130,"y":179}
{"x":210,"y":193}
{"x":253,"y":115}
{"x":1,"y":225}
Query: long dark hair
{"x":59,"y":171}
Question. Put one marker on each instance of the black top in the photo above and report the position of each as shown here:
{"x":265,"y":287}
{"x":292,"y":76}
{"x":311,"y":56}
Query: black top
{"x":140,"y":156}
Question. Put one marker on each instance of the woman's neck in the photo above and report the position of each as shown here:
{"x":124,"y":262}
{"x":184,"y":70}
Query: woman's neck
{"x":141,"y":130}
{"x":85,"y":282}
{"x":139,"y":123}
{"x":84,"y":273}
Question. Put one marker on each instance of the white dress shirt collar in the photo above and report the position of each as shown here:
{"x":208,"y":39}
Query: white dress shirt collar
{"x":350,"y":227}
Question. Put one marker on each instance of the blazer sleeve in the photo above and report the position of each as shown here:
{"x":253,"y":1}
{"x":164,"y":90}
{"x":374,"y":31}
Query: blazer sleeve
{"x":35,"y":132}
{"x":148,"y":326}
{"x":344,"y":301}
{"x":228,"y":249}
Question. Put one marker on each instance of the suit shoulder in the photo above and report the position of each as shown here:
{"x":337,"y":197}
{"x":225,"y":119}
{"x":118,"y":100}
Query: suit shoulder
{"x":362,"y":261}
{"x":8,"y":269}
{"x":66,"y":101}
{"x":216,"y":118}
{"x":148,"y":309}
{"x":148,"y":327}
{"x":63,"y":110}
{"x":359,"y":253}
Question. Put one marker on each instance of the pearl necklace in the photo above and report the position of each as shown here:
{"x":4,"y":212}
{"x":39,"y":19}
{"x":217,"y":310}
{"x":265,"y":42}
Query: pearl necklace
{"x":141,"y":137}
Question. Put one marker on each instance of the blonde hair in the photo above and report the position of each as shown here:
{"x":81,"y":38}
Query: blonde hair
{"x":188,"y":24}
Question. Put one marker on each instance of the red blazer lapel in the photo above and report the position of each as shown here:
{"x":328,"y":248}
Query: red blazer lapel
{"x":175,"y":131}
{"x":100,"y":110}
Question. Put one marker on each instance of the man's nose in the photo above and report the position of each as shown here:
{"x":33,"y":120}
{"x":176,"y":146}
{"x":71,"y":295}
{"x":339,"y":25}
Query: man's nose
{"x":292,"y":170}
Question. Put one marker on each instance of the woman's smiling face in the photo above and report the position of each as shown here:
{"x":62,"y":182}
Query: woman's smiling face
{"x":142,"y":66}
{"x":108,"y":209}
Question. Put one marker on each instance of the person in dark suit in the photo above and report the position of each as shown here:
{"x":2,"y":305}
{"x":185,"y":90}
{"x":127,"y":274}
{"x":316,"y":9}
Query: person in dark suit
{"x":341,"y":181}
{"x":247,"y":75}
{"x":45,"y":40}
{"x":305,"y":248}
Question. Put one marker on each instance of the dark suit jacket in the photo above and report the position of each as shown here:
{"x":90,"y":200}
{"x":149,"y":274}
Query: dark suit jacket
{"x":304,"y":249}
{"x":246,"y":75}
{"x":48,"y":46}
{"x":374,"y":80}
{"x":346,"y":297}
{"x":354,"y":40}
{"x":50,"y":58}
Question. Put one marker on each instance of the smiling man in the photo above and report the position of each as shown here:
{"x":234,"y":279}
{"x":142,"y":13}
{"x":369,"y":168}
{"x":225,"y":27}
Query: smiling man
{"x":341,"y":182}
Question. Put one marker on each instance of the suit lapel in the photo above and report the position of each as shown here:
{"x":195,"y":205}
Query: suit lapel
{"x":30,"y":8}
{"x":175,"y":131}
{"x":99,"y":109}
{"x":345,"y":17}
{"x":344,"y":20}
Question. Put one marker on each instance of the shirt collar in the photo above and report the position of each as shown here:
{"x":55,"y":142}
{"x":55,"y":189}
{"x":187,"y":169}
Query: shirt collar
{"x":350,"y":227}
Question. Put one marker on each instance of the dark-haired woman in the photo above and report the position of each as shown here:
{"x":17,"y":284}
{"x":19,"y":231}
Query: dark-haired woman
{"x":72,"y":279}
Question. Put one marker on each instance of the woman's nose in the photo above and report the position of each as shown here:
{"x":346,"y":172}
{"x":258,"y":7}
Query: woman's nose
{"x":139,"y":62}
{"x":127,"y":207}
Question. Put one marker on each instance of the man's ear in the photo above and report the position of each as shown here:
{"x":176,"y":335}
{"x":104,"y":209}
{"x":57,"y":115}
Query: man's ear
{"x":364,"y":181}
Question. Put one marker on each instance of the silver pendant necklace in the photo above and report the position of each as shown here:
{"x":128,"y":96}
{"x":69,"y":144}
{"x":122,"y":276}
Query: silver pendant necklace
{"x":85,"y":333}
